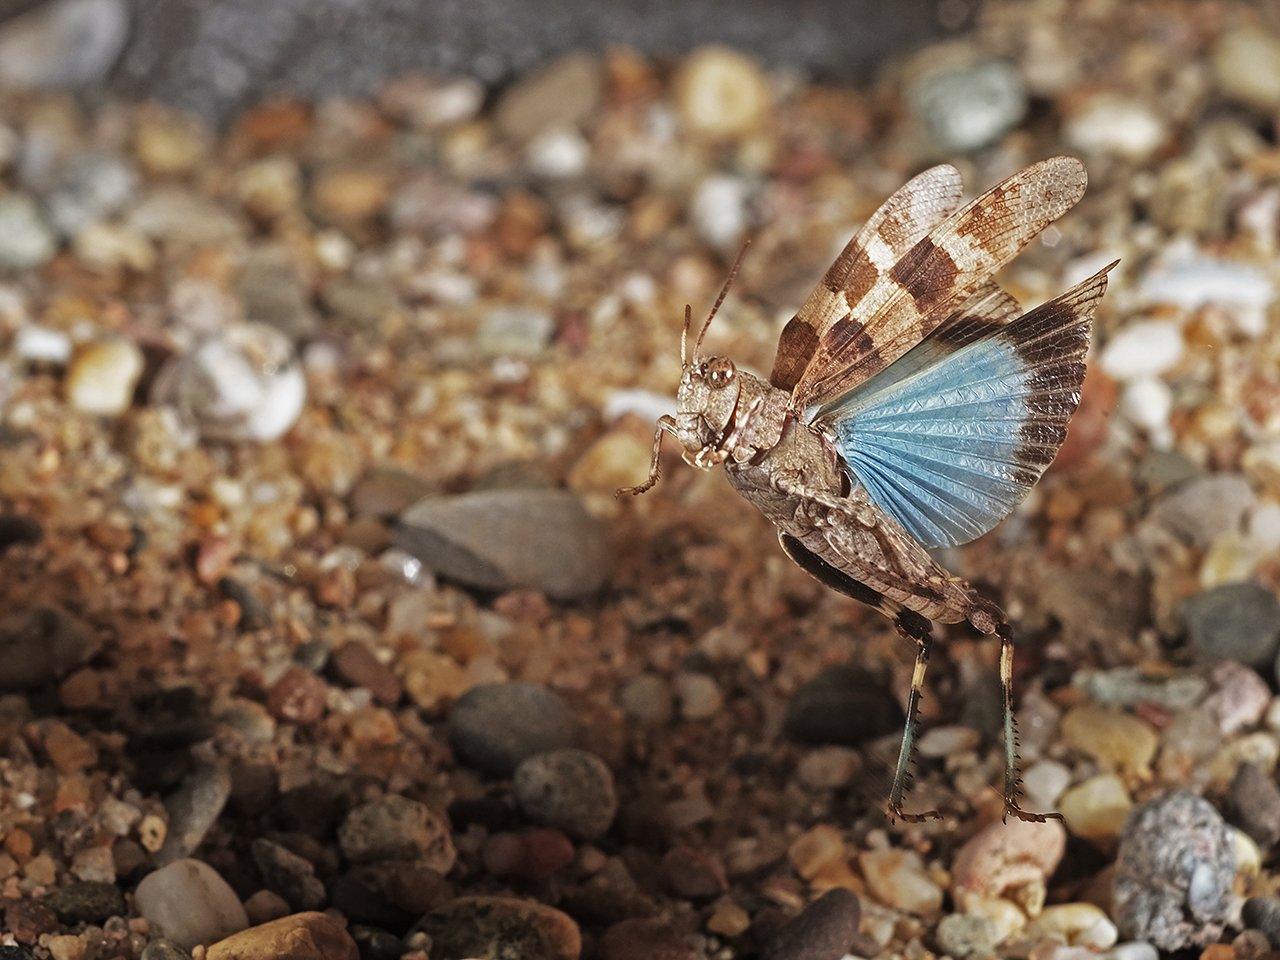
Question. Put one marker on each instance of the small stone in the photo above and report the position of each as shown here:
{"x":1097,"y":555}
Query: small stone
{"x":1250,"y":945}
{"x":277,"y":297}
{"x":1079,"y":924}
{"x":107,"y":247}
{"x":65,"y":947}
{"x":1156,"y":895}
{"x":375,"y":944}
{"x":71,"y":43}
{"x":190,"y":902}
{"x":302,"y":936}
{"x":828,"y":768}
{"x":93,"y":188}
{"x":1108,"y":123}
{"x":718,"y":209}
{"x":433,"y":680}
{"x":428,"y":103}
{"x":898,"y":879}
{"x":68,"y":751}
{"x":558,"y":154}
{"x":94,"y":865}
{"x":244,"y":384}
{"x":1246,"y":67}
{"x":396,"y":828}
{"x":1241,"y":697}
{"x":721,"y":93}
{"x":27,"y":920}
{"x":354,"y":663}
{"x":1118,"y":741}
{"x":299,"y":696}
{"x":193,"y":809}
{"x":171,"y":213}
{"x":1005,"y":858}
{"x":42,"y":644}
{"x":971,"y":106}
{"x":514,"y":331}
{"x":699,"y":696}
{"x":1254,"y":804}
{"x":962,"y":934}
{"x":530,"y":854}
{"x":1146,"y":348}
{"x":39,"y":344}
{"x":169,"y":143}
{"x":1043,"y":784}
{"x":694,"y":874}
{"x":87,"y":901}
{"x":26,"y":241}
{"x":500,"y":927}
{"x":817,"y":849}
{"x":270,"y":188}
{"x":647,"y":700}
{"x":102,"y":378}
{"x":1263,"y":914}
{"x":291,"y":876}
{"x":1136,"y":950}
{"x":351,"y":196}
{"x":265,"y":906}
{"x":643,"y":938}
{"x":824,"y":930}
{"x":1205,"y":508}
{"x":728,"y":919}
{"x":569,"y":789}
{"x":1129,"y":686}
{"x":1097,"y":808}
{"x":506,"y":539}
{"x":1236,"y":621}
{"x":843,"y":705}
{"x":565,"y":93}
{"x":941,"y":742}
{"x":496,"y":726}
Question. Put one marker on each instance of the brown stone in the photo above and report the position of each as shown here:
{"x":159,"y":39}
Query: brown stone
{"x":299,"y":696}
{"x":27,"y":920}
{"x":499,"y":927}
{"x":301,"y":936}
{"x":355,"y":664}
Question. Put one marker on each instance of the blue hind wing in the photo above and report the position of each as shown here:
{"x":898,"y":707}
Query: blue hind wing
{"x":948,"y":439}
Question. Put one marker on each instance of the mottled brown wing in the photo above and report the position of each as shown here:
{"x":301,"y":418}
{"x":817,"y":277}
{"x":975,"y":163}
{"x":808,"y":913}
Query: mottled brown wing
{"x":941,"y":271}
{"x":899,"y":223}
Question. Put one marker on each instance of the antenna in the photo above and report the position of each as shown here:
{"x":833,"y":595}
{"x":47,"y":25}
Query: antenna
{"x":724,"y":292}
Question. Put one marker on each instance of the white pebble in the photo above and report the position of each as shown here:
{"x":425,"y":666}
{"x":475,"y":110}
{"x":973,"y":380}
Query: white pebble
{"x":645,"y":404}
{"x":1133,"y":950}
{"x":42,"y":345}
{"x":699,"y":696}
{"x":1110,"y":124}
{"x":1147,"y":402}
{"x":102,"y":378}
{"x":191,"y":903}
{"x":945,"y":740}
{"x":719,"y":209}
{"x":1144,"y":349}
{"x":558,"y":154}
{"x":1187,"y":279}
{"x":1043,"y":783}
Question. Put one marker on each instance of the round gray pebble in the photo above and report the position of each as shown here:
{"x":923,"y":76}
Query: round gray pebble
{"x":843,"y":705}
{"x":1174,"y":868}
{"x":497,"y":725}
{"x":397,"y":828}
{"x":1263,"y":914}
{"x":962,"y":934}
{"x":164,"y":949}
{"x":569,"y":789}
{"x":1236,"y":621}
{"x":824,"y":930}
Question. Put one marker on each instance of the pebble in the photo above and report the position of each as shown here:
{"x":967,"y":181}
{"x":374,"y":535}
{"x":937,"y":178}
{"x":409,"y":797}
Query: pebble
{"x":68,"y":751}
{"x":969,"y":107}
{"x":828,"y":768}
{"x":298,"y":697}
{"x":1236,"y":621}
{"x":962,"y":934}
{"x":433,"y":679}
{"x":1185,"y":277}
{"x":243,"y":384}
{"x":514,"y":331}
{"x":1201,"y":510}
{"x":643,"y":938}
{"x":824,"y":930}
{"x":565,"y":93}
{"x":265,"y":906}
{"x":302,"y":936}
{"x":496,"y":726}
{"x":1263,"y":914}
{"x":1253,"y":802}
{"x":502,"y":540}
{"x":1079,"y":924}
{"x":718,"y":210}
{"x":397,"y":828}
{"x":193,"y":809}
{"x":190,"y":903}
{"x":287,"y":874}
{"x":898,"y":879}
{"x":1108,"y":123}
{"x":428,"y":103}
{"x":431,"y":204}
{"x":721,"y":93}
{"x":1174,"y":869}
{"x":530,"y":854}
{"x":558,"y":154}
{"x":385,"y":490}
{"x":1246,"y":67}
{"x":1146,"y":348}
{"x":1096,"y":809}
{"x":647,"y":699}
{"x":354,"y":663}
{"x":1147,"y":402}
{"x":171,"y":213}
{"x":698,"y":695}
{"x":275,"y":295}
{"x":350,"y":197}
{"x":843,"y":705}
{"x":1133,"y":950}
{"x":1241,"y":697}
{"x":694,"y":873}
{"x":87,"y":901}
{"x":94,"y":187}
{"x":1006,"y":857}
{"x":1129,"y":686}
{"x":569,"y":789}
{"x":1043,"y":783}
{"x":38,"y":344}
{"x":26,"y":241}
{"x":64,"y":44}
{"x":816,"y":850}
{"x":944,"y":741}
{"x":109,"y":247}
{"x":161,"y":948}
{"x":102,"y":378}
{"x":27,"y":920}
{"x":500,"y":927}
{"x":1118,"y":741}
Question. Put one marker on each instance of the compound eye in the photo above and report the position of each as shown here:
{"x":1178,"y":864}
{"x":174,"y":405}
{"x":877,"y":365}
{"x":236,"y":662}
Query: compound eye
{"x":720,"y":372}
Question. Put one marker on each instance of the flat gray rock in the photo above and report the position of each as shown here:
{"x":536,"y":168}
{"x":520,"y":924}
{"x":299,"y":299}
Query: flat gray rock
{"x":506,"y":539}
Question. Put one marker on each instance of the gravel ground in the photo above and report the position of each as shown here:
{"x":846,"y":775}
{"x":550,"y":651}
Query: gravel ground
{"x":323,"y":634}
